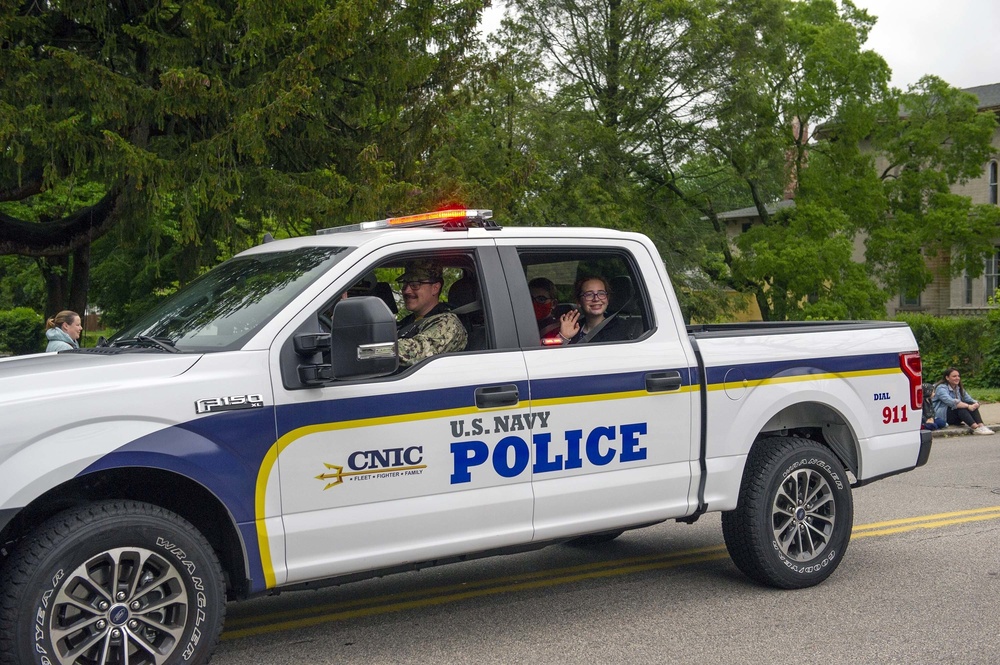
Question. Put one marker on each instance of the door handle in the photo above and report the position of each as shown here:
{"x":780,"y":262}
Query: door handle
{"x":659,"y":382}
{"x":491,"y":397}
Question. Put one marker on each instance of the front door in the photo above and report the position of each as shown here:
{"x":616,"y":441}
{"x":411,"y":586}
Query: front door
{"x":387,"y":472}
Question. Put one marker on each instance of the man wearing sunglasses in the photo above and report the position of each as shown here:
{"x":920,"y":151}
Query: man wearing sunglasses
{"x":430,"y":328}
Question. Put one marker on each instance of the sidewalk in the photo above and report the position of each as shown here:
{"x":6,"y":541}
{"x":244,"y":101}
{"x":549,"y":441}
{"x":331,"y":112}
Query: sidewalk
{"x":991,"y":418}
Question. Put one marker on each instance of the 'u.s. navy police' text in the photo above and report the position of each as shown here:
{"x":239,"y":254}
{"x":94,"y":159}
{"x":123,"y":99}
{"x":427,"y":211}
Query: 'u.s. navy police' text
{"x":511,"y":454}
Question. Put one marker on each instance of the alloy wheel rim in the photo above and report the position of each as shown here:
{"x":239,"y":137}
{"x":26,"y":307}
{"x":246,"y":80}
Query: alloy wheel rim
{"x":803,"y":515}
{"x":121,"y":606}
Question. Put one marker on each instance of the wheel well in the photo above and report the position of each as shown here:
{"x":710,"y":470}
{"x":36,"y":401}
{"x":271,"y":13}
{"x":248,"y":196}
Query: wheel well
{"x":820,"y":423}
{"x":168,"y":490}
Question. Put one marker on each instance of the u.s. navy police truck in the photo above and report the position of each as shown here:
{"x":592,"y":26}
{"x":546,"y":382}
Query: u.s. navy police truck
{"x":256,"y":432}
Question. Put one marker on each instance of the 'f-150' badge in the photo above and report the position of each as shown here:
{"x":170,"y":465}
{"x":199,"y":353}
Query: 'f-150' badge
{"x":231,"y":403}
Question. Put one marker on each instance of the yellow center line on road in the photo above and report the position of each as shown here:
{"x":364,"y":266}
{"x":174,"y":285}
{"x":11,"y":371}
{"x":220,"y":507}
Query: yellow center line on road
{"x":474,"y":584}
{"x":925,"y":522}
{"x":333,"y":612}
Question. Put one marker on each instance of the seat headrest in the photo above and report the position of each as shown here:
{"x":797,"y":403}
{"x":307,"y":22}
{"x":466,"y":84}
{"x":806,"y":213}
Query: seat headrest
{"x":463,"y":292}
{"x":621,"y":291}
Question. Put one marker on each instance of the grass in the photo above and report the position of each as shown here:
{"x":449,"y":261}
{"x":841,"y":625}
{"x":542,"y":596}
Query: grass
{"x":985,"y":395}
{"x":89,"y":339}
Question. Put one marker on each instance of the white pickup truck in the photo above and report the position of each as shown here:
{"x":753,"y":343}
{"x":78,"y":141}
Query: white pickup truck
{"x":256,"y":433}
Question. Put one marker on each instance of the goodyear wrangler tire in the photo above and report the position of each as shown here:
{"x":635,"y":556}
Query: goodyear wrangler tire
{"x":793,"y":521}
{"x":112,"y":583}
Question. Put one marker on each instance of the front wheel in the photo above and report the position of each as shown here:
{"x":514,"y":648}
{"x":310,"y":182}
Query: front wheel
{"x":793,"y":521}
{"x":112,"y":583}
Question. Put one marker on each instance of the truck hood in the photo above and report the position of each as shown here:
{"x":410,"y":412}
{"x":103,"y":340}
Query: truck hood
{"x":24,"y":379}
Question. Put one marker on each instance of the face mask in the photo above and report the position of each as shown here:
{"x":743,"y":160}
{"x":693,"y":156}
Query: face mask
{"x":542,"y":310}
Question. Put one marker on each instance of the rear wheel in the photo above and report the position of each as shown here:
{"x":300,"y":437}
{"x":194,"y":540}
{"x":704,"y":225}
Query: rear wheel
{"x":793,"y":521}
{"x":112,"y":583}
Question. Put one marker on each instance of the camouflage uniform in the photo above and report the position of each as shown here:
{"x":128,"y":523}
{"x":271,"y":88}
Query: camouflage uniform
{"x":438,"y":332}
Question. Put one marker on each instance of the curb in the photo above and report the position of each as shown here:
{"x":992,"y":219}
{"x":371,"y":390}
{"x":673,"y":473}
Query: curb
{"x":955,"y":430}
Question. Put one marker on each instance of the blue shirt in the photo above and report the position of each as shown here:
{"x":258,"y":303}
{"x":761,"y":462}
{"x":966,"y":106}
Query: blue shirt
{"x":945,"y":398}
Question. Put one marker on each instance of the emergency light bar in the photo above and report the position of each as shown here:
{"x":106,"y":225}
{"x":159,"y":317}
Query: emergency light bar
{"x":448,"y":220}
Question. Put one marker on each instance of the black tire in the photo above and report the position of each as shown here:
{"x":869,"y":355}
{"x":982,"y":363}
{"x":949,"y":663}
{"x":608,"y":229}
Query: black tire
{"x":119,"y":575}
{"x":596,"y":538}
{"x":793,"y":521}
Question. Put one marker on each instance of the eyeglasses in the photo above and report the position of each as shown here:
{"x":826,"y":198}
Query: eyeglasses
{"x":594,"y":295}
{"x":414,"y":284}
{"x":541,"y":300}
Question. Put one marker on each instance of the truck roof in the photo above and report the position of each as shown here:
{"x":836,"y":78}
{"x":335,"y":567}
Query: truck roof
{"x":395,"y":235}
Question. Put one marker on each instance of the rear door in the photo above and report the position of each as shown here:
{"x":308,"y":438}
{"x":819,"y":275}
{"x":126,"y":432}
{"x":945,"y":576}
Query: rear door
{"x":611,"y":421}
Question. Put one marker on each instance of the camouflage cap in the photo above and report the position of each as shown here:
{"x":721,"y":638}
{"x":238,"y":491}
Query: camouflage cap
{"x":421,"y":270}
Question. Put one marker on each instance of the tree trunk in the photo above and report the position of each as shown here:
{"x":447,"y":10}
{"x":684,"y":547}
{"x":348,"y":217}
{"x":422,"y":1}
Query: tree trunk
{"x":79,"y":280}
{"x":55,"y":272}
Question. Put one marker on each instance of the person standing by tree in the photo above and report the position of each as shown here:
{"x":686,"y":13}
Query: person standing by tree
{"x":63,"y":331}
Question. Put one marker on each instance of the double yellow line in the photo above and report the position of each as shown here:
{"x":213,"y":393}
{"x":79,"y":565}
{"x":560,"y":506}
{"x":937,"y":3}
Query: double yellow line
{"x":925,"y":522}
{"x":363,"y":607}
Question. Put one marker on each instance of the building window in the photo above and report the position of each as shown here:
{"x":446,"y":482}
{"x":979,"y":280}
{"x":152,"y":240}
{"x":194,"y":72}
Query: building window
{"x":909,"y":302}
{"x":992,"y":274}
{"x":968,"y":290}
{"x":993,"y":183}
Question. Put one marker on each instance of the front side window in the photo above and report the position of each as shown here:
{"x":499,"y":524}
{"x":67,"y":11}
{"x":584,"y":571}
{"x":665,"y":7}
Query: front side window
{"x":440,"y":304}
{"x":222,"y":309}
{"x":436,"y":298}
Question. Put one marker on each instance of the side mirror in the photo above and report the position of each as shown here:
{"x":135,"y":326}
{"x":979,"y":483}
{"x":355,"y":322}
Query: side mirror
{"x":363,"y":336}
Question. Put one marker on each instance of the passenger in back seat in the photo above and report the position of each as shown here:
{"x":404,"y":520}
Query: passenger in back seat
{"x":543,"y":301}
{"x":592,"y":295}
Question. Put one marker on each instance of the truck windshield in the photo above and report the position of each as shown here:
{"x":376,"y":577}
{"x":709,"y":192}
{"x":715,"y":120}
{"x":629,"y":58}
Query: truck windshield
{"x":222,"y":309}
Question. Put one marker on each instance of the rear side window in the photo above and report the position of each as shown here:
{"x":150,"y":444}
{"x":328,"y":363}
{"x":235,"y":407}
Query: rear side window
{"x":585,"y":296}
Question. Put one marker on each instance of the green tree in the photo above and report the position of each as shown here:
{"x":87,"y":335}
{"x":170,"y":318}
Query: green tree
{"x":809,"y":111}
{"x":938,"y":140}
{"x":785,"y":117}
{"x":611,"y":78}
{"x":198,"y":122}
{"x":488,"y":155}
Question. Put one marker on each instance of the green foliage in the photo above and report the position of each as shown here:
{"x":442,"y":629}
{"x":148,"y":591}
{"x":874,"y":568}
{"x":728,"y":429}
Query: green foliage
{"x":940,"y":140}
{"x":963,"y":342}
{"x":199,"y":122}
{"x":194,"y":127}
{"x":991,"y":345}
{"x":21,"y":331}
{"x":20,"y":284}
{"x":804,"y":257}
{"x":88,"y":340}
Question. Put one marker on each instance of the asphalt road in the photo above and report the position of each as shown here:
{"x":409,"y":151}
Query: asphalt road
{"x":920,"y":584}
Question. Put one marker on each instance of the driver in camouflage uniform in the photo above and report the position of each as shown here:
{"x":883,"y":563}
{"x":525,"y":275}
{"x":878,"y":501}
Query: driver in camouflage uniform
{"x":430,"y":328}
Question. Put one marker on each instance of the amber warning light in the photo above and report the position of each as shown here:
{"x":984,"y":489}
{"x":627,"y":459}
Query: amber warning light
{"x":449,"y":220}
